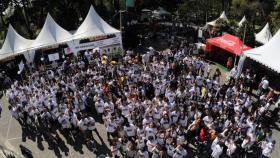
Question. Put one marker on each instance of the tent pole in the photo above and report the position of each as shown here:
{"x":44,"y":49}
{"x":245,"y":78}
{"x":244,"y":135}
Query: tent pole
{"x":120,"y":20}
{"x":242,"y":47}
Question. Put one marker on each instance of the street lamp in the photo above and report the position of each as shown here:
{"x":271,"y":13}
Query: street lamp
{"x":19,"y":73}
{"x":43,"y":60}
{"x":121,"y":11}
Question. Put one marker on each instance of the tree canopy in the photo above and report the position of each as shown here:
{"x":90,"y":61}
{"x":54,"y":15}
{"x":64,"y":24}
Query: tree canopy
{"x":28,"y":16}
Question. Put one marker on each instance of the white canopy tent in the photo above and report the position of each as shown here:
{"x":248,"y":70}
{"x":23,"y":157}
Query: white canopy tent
{"x":160,"y":11}
{"x":14,"y":43}
{"x":51,"y":34}
{"x":222,"y":16}
{"x":242,"y":21}
{"x":264,"y":35}
{"x":93,"y":26}
{"x":267,"y":54}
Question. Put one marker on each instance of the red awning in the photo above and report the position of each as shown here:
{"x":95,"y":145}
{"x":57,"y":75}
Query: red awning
{"x":227,"y":42}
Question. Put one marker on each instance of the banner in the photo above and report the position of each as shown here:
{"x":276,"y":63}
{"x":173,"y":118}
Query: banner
{"x":53,"y":57}
{"x":98,"y":44}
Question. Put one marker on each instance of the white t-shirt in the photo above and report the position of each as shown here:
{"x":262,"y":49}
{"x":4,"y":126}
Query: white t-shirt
{"x":199,"y":81}
{"x":170,"y":149}
{"x":231,"y":147}
{"x":64,"y":121}
{"x":174,"y":116}
{"x":91,"y":123}
{"x":99,"y":105}
{"x":130,"y":130}
{"x":183,"y":121}
{"x":83,"y":124}
{"x":217,"y":151}
{"x":180,"y":153}
{"x":165,"y":123}
{"x":125,"y":110}
{"x":142,"y":154}
{"x":111,"y":127}
{"x":265,"y":84}
{"x":267,"y":149}
{"x":150,"y":132}
{"x":209,"y":83}
{"x":151,"y":144}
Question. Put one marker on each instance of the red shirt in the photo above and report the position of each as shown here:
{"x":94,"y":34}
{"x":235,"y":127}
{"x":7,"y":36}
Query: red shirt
{"x":202,"y":135}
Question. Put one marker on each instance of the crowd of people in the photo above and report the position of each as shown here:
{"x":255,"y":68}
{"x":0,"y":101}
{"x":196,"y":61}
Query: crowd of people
{"x":166,"y":104}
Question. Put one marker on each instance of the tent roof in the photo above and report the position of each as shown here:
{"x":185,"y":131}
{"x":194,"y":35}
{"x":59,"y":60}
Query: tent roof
{"x":51,"y":34}
{"x":14,"y":42}
{"x":146,"y":10}
{"x":222,"y":16}
{"x":94,"y":25}
{"x":162,"y":11}
{"x":267,"y":54}
{"x":227,"y":42}
{"x":242,"y":21}
{"x":264,"y":35}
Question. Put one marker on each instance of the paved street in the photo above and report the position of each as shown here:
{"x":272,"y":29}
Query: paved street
{"x":12,"y":135}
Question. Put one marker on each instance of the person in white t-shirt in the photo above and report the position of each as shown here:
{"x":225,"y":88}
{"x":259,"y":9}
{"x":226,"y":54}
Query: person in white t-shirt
{"x":91,"y":126}
{"x":264,"y":85}
{"x":99,"y":106}
{"x":199,"y":81}
{"x":142,"y":153}
{"x":267,"y":149}
{"x":217,"y":151}
{"x":83,"y":124}
{"x":151,"y":144}
{"x":231,"y":147}
{"x":179,"y":152}
{"x":63,"y":119}
{"x":111,"y":128}
{"x":130,"y":130}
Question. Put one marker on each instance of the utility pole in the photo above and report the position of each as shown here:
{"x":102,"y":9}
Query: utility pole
{"x":121,"y":11}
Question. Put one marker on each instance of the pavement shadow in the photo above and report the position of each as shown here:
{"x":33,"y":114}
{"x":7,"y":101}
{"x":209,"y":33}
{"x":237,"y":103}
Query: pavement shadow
{"x":272,"y":121}
{"x":102,"y":149}
{"x":55,"y":143}
{"x":28,"y":132}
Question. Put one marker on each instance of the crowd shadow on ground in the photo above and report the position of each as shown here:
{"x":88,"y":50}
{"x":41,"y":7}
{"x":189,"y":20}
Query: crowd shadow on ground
{"x":59,"y":141}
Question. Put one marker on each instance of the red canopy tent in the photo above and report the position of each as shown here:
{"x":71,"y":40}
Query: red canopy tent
{"x":227,"y":42}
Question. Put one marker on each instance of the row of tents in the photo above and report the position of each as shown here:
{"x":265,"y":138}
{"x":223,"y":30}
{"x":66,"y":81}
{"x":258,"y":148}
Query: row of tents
{"x":262,"y":37}
{"x":267,"y":54}
{"x":52,"y":35}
